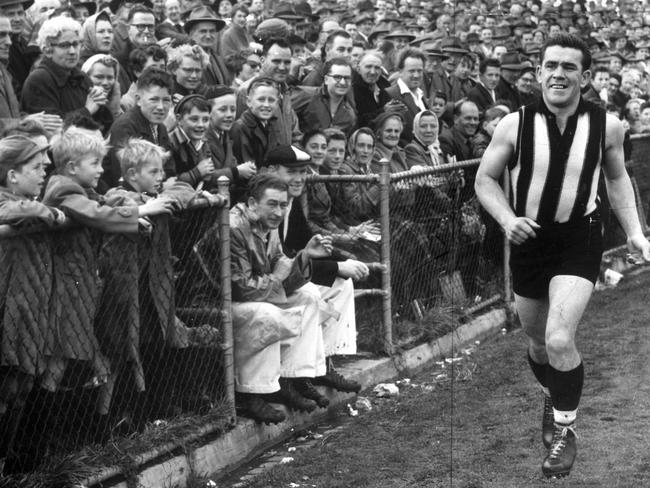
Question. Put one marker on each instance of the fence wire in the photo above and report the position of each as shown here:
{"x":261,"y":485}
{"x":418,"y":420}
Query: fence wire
{"x":103,"y":344}
{"x":446,"y":254}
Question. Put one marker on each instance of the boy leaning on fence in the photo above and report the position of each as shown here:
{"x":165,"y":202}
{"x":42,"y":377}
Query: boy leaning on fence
{"x":78,"y":154}
{"x":139,"y":272}
{"x":26,"y":279}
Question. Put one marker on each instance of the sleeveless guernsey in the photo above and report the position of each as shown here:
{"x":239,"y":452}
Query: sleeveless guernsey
{"x":554,"y":177}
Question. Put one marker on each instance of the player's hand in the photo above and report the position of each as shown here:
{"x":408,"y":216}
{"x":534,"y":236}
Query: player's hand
{"x":206,"y":167}
{"x":157,"y":206}
{"x":282,"y":268}
{"x":351,"y":268}
{"x":319,"y":247}
{"x":639,"y":247}
{"x":519,"y":229}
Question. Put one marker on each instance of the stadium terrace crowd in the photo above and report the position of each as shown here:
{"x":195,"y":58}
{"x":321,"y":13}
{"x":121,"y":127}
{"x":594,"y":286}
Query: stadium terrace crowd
{"x":141,"y":107}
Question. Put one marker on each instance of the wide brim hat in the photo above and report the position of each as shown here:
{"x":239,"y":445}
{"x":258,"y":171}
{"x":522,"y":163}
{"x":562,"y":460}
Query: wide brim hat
{"x":202,"y":14}
{"x":286,"y":11}
{"x":419,"y":40}
{"x":114,"y":5}
{"x":364,"y":17}
{"x":400,"y":33}
{"x":512,"y":61}
{"x":287,"y":156}
{"x":8,"y":3}
{"x":452,"y":45}
{"x":432,"y":49}
{"x":304,"y":9}
{"x":378,"y":32}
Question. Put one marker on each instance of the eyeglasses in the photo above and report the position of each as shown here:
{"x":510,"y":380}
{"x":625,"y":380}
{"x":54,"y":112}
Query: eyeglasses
{"x":66,"y":45}
{"x":143,"y":27}
{"x":340,"y":78}
{"x":253,"y":64}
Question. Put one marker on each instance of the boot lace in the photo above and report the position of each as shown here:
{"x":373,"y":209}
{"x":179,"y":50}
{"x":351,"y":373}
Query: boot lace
{"x":560,"y":439}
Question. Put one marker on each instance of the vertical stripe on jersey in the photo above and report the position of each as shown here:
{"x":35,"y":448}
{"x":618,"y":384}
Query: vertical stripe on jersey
{"x":521,"y":180}
{"x":541,"y":166}
{"x":561,"y":145}
{"x":588,"y":183}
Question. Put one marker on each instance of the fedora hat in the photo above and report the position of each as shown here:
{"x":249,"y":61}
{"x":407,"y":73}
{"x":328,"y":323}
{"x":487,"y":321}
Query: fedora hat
{"x":26,"y":4}
{"x":511,"y":61}
{"x":202,"y":14}
{"x":286,"y":11}
{"x":377,"y":32}
{"x":304,"y":9}
{"x":364,"y":17}
{"x":452,"y":45}
{"x":431,"y":49}
{"x":400,"y":33}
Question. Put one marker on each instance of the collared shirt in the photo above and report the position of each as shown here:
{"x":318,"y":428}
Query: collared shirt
{"x":417,"y":95}
{"x":183,"y":138}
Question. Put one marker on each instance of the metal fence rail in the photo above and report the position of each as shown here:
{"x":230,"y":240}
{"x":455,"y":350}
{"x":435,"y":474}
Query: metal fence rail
{"x":103,"y":350}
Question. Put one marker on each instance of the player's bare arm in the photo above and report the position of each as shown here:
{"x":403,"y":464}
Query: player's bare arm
{"x":487,"y":186}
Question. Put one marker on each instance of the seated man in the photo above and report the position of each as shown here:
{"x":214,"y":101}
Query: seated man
{"x":291,"y":165}
{"x":278,"y":342}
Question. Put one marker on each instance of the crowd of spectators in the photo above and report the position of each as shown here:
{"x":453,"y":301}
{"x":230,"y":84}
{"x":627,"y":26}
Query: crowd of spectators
{"x":134,"y":99}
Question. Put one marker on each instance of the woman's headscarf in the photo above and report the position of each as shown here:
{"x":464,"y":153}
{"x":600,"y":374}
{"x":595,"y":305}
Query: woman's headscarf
{"x":89,"y":35}
{"x":99,"y":58}
{"x":434,"y":148}
{"x":352,"y":141}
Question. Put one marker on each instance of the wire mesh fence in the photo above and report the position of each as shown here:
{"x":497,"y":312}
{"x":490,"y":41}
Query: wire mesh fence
{"x":444,"y":255}
{"x":105,"y":353}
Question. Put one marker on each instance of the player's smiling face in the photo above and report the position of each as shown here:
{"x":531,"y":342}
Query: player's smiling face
{"x":561,"y":75}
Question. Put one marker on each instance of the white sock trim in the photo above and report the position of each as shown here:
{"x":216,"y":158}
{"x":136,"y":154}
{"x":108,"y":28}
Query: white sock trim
{"x":564,"y":417}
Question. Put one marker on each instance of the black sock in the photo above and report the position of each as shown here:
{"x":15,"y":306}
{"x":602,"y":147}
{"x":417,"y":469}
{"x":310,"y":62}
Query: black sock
{"x":539,"y":370}
{"x":565,"y":387}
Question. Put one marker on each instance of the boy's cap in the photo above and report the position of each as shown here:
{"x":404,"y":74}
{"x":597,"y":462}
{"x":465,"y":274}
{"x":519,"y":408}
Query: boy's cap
{"x":16,"y":151}
{"x":185,"y":99}
{"x":288,"y":156}
{"x":216,"y":91}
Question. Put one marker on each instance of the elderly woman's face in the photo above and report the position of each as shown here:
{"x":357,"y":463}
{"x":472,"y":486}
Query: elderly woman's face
{"x":46,"y":8}
{"x":104,"y":35}
{"x":64,"y":50}
{"x":390,"y":132}
{"x":189,"y":73}
{"x":364,"y":148}
{"x":428,"y":129}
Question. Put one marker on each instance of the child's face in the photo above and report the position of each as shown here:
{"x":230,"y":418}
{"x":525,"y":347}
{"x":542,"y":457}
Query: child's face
{"x":150,"y":176}
{"x":29,"y":178}
{"x":645,"y":116}
{"x":223,"y":112}
{"x":87,"y":170}
{"x":262,"y":101}
{"x":194,"y":123}
{"x":335,"y":154}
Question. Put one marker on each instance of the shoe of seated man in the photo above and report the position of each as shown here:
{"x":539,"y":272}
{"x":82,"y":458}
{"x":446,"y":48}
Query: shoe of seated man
{"x":256,"y":407}
{"x":292,"y":398}
{"x":306,"y":389}
{"x":335,"y":380}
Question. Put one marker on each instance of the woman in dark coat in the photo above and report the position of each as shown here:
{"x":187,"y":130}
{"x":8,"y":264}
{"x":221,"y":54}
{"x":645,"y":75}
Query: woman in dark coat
{"x":57,"y":85}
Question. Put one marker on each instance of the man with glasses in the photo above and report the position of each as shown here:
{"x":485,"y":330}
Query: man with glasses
{"x":327,"y":106}
{"x":56,"y":85}
{"x":408,"y":89}
{"x":140,"y":30}
{"x":526,"y":86}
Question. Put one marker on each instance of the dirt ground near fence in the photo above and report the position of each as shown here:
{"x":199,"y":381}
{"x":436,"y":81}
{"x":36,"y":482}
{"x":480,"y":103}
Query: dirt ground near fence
{"x":483,"y":428}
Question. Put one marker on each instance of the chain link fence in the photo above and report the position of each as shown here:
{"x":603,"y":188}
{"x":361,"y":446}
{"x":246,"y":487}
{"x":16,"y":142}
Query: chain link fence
{"x":440,"y":256}
{"x":106,"y":353}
